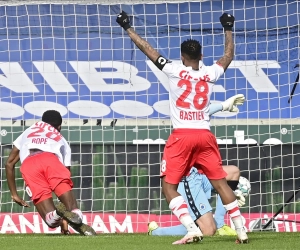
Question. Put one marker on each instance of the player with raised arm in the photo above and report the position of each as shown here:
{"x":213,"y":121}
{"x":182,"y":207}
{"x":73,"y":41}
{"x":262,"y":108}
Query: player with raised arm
{"x":191,"y":142}
{"x":196,"y":190}
{"x":45,"y":159}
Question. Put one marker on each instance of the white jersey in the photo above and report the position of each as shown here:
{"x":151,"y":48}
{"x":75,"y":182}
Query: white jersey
{"x":190,"y":92}
{"x":44,"y":137}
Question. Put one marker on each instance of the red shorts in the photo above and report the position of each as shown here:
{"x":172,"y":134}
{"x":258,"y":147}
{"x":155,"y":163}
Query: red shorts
{"x":42,"y":173}
{"x":186,"y":148}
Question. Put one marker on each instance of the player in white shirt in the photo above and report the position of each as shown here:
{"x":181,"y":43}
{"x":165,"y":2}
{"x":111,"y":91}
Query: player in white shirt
{"x":191,"y":142}
{"x":45,"y":166}
{"x":197,"y":190}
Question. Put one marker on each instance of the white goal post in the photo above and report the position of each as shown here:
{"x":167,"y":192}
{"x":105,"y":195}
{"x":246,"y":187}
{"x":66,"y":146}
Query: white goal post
{"x":72,"y":56}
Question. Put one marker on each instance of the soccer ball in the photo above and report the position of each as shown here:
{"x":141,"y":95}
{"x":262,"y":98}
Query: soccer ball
{"x":244,"y":186}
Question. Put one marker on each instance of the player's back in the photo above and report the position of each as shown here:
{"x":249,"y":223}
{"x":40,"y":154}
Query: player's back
{"x":41,"y":136}
{"x":190,"y":92}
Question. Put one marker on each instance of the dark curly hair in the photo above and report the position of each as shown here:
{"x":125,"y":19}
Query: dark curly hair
{"x":192,"y":48}
{"x":53,"y":118}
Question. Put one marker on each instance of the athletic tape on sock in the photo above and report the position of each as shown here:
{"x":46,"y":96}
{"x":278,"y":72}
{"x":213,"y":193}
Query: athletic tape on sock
{"x":190,"y":198}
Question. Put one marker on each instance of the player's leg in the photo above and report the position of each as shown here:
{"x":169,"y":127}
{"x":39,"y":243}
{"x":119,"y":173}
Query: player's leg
{"x":220,"y":212}
{"x":191,"y":188}
{"x":233,"y":175}
{"x":175,"y":164}
{"x":68,"y":202}
{"x":233,"y":172}
{"x":59,"y":180}
{"x":231,"y":205}
{"x":207,"y":224}
{"x":180,"y":209}
{"x":155,"y":230}
{"x":37,"y":187}
{"x":210,"y":161}
{"x":82,"y":228}
{"x":198,"y":206}
{"x":47,"y":211}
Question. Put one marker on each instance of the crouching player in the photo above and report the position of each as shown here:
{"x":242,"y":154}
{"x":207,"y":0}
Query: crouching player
{"x":196,"y":190}
{"x":45,"y":166}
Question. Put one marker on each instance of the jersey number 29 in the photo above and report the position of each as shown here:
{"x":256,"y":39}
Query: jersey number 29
{"x":40,"y":132}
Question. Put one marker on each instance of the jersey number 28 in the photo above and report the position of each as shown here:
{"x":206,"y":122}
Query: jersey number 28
{"x":201,"y":91}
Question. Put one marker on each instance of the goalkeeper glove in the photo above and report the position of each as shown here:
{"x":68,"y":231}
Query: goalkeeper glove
{"x":123,"y":20}
{"x":231,"y":103}
{"x":240,"y":197}
{"x":227,"y":21}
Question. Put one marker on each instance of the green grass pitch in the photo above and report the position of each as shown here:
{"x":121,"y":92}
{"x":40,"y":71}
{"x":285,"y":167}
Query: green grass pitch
{"x":263,"y":240}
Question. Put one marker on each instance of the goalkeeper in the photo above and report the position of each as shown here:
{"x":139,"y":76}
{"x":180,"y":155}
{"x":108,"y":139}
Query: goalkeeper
{"x":198,"y":188}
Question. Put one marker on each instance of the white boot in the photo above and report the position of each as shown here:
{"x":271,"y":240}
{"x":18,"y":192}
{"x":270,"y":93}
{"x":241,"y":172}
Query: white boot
{"x":242,"y":236}
{"x":190,"y":237}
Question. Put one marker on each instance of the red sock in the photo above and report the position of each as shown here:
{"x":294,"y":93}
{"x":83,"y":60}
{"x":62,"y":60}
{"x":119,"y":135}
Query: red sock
{"x":235,"y":214}
{"x":178,"y":206}
{"x":180,"y":209}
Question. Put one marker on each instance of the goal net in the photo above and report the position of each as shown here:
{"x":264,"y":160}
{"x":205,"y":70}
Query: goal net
{"x":73,"y":57}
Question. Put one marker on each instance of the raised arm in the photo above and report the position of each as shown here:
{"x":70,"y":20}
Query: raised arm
{"x":141,"y":43}
{"x":227,"y":21}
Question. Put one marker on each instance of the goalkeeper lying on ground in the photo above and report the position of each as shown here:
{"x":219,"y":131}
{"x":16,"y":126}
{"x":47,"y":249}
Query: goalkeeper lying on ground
{"x":196,"y":190}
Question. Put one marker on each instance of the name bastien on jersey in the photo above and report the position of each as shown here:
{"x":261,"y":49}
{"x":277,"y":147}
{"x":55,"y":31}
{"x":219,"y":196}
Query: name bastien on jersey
{"x":190,"y":92}
{"x":44,"y":137}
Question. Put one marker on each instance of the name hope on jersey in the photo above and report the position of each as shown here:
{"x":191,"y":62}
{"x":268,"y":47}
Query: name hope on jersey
{"x":44,"y":137}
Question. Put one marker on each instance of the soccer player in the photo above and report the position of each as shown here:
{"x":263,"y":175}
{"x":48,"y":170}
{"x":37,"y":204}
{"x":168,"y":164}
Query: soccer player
{"x":196,"y":190}
{"x":191,"y":142}
{"x":45,"y":167}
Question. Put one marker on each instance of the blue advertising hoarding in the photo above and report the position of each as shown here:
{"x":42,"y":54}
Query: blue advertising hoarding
{"x":75,"y":58}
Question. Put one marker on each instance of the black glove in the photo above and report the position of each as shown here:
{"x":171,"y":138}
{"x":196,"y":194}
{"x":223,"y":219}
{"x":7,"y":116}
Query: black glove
{"x":227,"y":21}
{"x":123,"y":20}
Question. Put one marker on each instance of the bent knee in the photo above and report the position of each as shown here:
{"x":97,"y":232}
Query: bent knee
{"x":207,"y":225}
{"x":209,"y":231}
{"x":236,"y":172}
{"x":233,"y":172}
